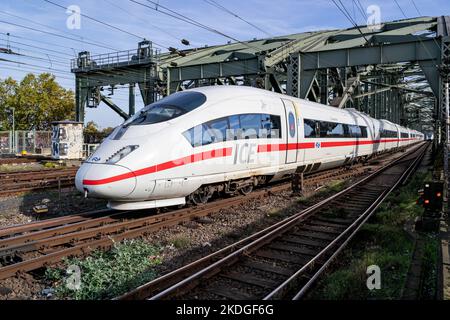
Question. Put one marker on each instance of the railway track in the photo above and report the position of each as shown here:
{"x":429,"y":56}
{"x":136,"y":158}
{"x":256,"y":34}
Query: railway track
{"x":284,"y":260}
{"x":20,"y":160}
{"x":21,"y":181}
{"x":28,"y":247}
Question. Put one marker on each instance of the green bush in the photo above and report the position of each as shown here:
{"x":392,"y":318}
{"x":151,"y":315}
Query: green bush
{"x":107,"y":274}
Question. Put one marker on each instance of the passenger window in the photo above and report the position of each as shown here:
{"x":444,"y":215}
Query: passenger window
{"x":245,"y":126}
{"x":207,"y":137}
{"x":270,"y":126}
{"x":251,"y":125}
{"x":355,"y":131}
{"x":194,"y":136}
{"x":335,"y":130}
{"x":218,"y":129}
{"x":235,"y":132}
{"x":363,"y":132}
{"x":309,"y":128}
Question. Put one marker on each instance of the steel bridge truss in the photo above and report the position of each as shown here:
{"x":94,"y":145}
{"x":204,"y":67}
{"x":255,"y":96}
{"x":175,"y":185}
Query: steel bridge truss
{"x":388,"y":73}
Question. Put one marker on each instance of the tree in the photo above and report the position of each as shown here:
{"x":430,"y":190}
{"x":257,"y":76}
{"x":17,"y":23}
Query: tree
{"x":38,"y":101}
{"x":92,"y":134}
{"x":91,"y":128}
{"x":8,"y":88}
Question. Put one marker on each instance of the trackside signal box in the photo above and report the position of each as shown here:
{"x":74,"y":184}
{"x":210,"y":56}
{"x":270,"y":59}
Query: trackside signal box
{"x":431,"y":196}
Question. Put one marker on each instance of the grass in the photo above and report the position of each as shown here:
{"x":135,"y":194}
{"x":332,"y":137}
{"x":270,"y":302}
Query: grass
{"x":334,"y":187}
{"x":180,"y":241}
{"x":429,"y":272}
{"x":108,"y":274}
{"x":275,"y":212}
{"x":383,"y":242}
{"x":381,"y":245}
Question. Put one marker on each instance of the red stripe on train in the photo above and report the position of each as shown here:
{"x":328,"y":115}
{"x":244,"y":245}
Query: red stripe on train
{"x":226,"y":152}
{"x":324,"y":144}
{"x":217,"y":153}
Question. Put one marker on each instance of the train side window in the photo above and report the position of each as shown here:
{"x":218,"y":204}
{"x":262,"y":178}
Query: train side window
{"x":194,"y":136}
{"x":235,"y":132}
{"x":363,"y":131}
{"x":388,"y":134}
{"x":217,"y":129}
{"x":276,"y":127}
{"x":251,"y":125}
{"x":335,"y":130}
{"x":207,"y":137}
{"x":355,"y":131}
{"x":309,"y":128}
{"x":331,"y":130}
{"x":270,"y":126}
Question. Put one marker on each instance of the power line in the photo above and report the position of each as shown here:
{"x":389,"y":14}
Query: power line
{"x":8,"y":34}
{"x":105,"y":23}
{"x":415,"y":6}
{"x":18,"y":50}
{"x":36,"y":58}
{"x":34,"y":65}
{"x":219,"y":6}
{"x":360,"y":9}
{"x":57,"y":35}
{"x":420,"y":40}
{"x":136,"y":16}
{"x":47,"y":26}
{"x":179,"y":16}
{"x":37,"y":47}
{"x":403,"y":12}
{"x":348,"y":16}
{"x":31,"y":71}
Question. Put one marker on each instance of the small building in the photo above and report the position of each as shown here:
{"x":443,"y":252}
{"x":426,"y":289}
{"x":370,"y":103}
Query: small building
{"x":67,"y":140}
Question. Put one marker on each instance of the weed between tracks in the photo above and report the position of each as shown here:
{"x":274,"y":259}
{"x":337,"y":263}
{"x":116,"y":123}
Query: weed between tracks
{"x":383,"y":242}
{"x":333,"y":187}
{"x":108,"y":274}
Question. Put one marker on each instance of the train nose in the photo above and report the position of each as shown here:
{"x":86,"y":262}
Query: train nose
{"x":105,"y":181}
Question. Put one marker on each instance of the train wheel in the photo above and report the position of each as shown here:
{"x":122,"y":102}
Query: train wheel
{"x":201,"y":196}
{"x":246,"y":190}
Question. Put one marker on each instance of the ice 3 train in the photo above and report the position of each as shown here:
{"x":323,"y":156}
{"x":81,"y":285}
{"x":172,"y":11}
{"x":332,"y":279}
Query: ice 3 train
{"x":227,"y":139}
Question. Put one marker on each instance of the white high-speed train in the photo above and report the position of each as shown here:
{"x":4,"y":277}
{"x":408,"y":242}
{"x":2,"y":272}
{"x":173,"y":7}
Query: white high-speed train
{"x":227,"y":139}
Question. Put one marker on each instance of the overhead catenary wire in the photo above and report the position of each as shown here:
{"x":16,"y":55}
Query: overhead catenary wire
{"x":221,"y":7}
{"x":57,"y":35}
{"x":60,"y":53}
{"x":360,"y":9}
{"x":74,"y":49}
{"x":47,"y":26}
{"x":19,"y":51}
{"x":19,"y":54}
{"x":138,"y":17}
{"x":106,"y":24}
{"x":33,"y":65}
{"x":181,"y":17}
{"x":348,"y":16}
{"x":406,"y":17}
{"x":34,"y":72}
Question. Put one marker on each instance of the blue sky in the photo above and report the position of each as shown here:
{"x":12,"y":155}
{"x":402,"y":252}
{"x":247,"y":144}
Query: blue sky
{"x":276,"y":17}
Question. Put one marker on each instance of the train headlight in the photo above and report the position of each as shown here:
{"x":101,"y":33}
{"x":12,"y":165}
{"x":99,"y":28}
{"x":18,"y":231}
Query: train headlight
{"x":122,"y":153}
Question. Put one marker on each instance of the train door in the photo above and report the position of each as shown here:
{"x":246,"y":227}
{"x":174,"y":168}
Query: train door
{"x":292,"y":132}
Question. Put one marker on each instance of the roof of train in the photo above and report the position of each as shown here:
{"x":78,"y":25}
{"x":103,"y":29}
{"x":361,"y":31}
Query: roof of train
{"x":215,"y":93}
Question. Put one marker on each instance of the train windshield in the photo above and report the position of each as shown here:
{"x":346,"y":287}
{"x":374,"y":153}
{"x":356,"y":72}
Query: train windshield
{"x":168,"y":108}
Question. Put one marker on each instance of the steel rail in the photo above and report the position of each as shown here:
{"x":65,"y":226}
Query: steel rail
{"x":267,"y":236}
{"x":108,"y":233}
{"x":364,"y":217}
